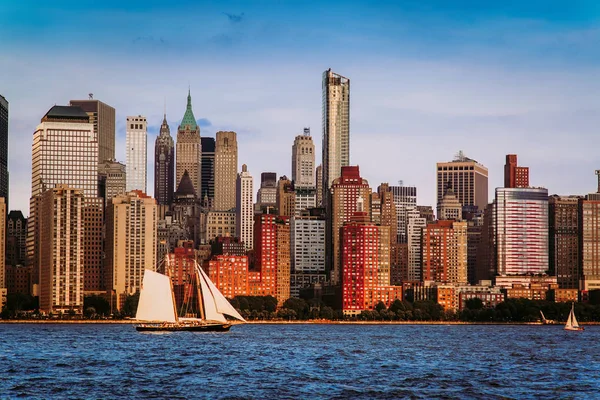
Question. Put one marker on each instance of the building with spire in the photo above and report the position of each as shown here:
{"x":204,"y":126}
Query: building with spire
{"x":164,"y":165}
{"x":189,"y":148}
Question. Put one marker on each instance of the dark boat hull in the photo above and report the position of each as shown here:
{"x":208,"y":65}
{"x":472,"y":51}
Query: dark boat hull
{"x":189,"y":328}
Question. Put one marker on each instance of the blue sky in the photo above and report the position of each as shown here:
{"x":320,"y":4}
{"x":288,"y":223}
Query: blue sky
{"x":428,"y":78}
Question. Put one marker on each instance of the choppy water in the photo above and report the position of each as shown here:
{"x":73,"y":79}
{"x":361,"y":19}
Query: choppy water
{"x":300,"y":361}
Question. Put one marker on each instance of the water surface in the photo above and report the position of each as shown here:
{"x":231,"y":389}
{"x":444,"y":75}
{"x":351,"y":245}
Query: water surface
{"x":300,"y":361}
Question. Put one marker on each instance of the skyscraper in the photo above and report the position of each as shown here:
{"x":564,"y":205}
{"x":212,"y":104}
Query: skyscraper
{"x":286,"y":197}
{"x":449,"y":207}
{"x":468,"y":179}
{"x":64,"y":151}
{"x":405,"y":199}
{"x":319,"y":182}
{"x":16,"y":237}
{"x":244,"y":208}
{"x":131,"y":228}
{"x":164,"y":165}
{"x":515,"y":176}
{"x":2,"y":245}
{"x":445,"y":252}
{"x":303,"y":161}
{"x":189,"y":149}
{"x":589,"y":240}
{"x":226,"y":159}
{"x":208,"y":171}
{"x":112,"y":180}
{"x":521,"y":231}
{"x":102,"y":116}
{"x":350,"y":193}
{"x":62,"y":249}
{"x":137,"y":155}
{"x":267,"y":193}
{"x":4,"y":149}
{"x":336,"y":128}
{"x":564,"y":240}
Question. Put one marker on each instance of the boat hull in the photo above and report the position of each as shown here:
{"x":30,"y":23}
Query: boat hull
{"x":179,"y":328}
{"x":574,"y":329}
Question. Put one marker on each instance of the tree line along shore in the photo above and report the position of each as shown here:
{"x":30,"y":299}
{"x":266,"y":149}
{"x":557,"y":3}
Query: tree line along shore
{"x":264,"y":309}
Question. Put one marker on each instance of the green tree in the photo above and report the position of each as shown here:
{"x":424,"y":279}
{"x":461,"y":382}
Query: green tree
{"x":298,"y":305}
{"x":380,"y":306}
{"x":474,"y":304}
{"x":326,"y":313}
{"x":130,"y":306}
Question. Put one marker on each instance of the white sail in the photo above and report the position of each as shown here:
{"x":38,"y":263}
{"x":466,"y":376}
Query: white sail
{"x":573,"y":319}
{"x":221,"y":304}
{"x":210,"y":307}
{"x":156,"y":299}
{"x":569,"y":323}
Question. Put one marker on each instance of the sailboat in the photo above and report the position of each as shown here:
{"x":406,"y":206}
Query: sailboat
{"x":546,"y":321}
{"x":572,"y":324}
{"x":157,"y":306}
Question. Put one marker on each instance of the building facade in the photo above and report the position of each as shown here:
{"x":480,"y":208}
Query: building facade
{"x":16,"y":238}
{"x":336,"y":128}
{"x":245,"y":208}
{"x":164,"y":165}
{"x":131,"y":234}
{"x":226,"y":160}
{"x":405,"y":199}
{"x":267,"y":193}
{"x":220,"y":223}
{"x":102,"y":117}
{"x":521,"y":231}
{"x":308,"y":244}
{"x":564,"y":240}
{"x":62,"y":250}
{"x":229,"y":273}
{"x":515,"y":176}
{"x":350,"y":193}
{"x":137,"y":153}
{"x":303,"y":161}
{"x":112,"y":179}
{"x":285,"y":201}
{"x":445,"y":252}
{"x":589,"y":243}
{"x":468,"y":179}
{"x":189,"y":149}
{"x":4,"y":148}
{"x":208,"y":172}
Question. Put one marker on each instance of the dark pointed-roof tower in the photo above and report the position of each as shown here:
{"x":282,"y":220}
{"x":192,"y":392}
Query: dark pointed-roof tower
{"x":164,"y":165}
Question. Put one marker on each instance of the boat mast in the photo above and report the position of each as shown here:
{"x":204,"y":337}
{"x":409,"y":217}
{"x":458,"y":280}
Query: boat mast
{"x":168,"y":268}
{"x":198,"y":286}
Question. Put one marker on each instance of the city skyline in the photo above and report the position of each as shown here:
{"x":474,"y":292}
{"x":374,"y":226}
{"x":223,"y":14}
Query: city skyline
{"x":426,"y":96}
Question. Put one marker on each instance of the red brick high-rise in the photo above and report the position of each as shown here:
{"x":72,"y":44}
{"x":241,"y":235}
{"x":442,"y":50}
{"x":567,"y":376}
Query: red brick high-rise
{"x":271,"y":252}
{"x":515,"y":176}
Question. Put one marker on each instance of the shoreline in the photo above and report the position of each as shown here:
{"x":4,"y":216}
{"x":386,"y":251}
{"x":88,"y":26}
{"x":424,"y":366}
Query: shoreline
{"x":264,"y":322}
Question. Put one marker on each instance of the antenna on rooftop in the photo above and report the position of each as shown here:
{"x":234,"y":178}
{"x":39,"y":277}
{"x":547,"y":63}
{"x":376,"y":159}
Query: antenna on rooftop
{"x":306,"y":131}
{"x":400,"y":183}
{"x":91,"y":96}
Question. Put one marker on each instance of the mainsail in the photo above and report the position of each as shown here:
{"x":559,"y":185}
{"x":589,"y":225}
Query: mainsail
{"x":215,"y":304}
{"x":156,"y":299}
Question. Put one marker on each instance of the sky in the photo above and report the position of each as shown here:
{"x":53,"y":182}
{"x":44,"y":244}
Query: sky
{"x":428,"y":79}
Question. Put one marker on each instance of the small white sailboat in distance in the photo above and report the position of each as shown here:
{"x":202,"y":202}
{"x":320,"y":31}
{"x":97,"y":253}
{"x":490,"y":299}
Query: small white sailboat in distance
{"x":546,"y":321}
{"x":158,"y":310}
{"x":572,"y":324}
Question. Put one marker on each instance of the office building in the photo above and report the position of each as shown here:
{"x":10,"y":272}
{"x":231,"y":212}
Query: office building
{"x":303,"y":161}
{"x":4,"y":149}
{"x":589,"y":240}
{"x":61,"y":249}
{"x":336,"y":128}
{"x":189,"y":149}
{"x":102,"y":117}
{"x":245,"y":208}
{"x":64,"y":152}
{"x":136,"y":153}
{"x":350,"y":193}
{"x":164,"y":165}
{"x":564,"y":240}
{"x":449,"y":208}
{"x":468,"y":179}
{"x":16,"y":238}
{"x":229,"y":273}
{"x":285,"y":201}
{"x":112,"y":180}
{"x":267,"y":193}
{"x":308,"y":244}
{"x":416,"y":226}
{"x":445,"y":252}
{"x":208,"y":172}
{"x":131,"y":224}
{"x":405,"y":199}
{"x":515,"y":176}
{"x":226,"y":160}
{"x":220,"y":224}
{"x":521,"y":231}
{"x":319,"y":181}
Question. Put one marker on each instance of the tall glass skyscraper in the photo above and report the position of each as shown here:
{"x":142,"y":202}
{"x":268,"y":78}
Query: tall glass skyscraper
{"x":336,"y":128}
